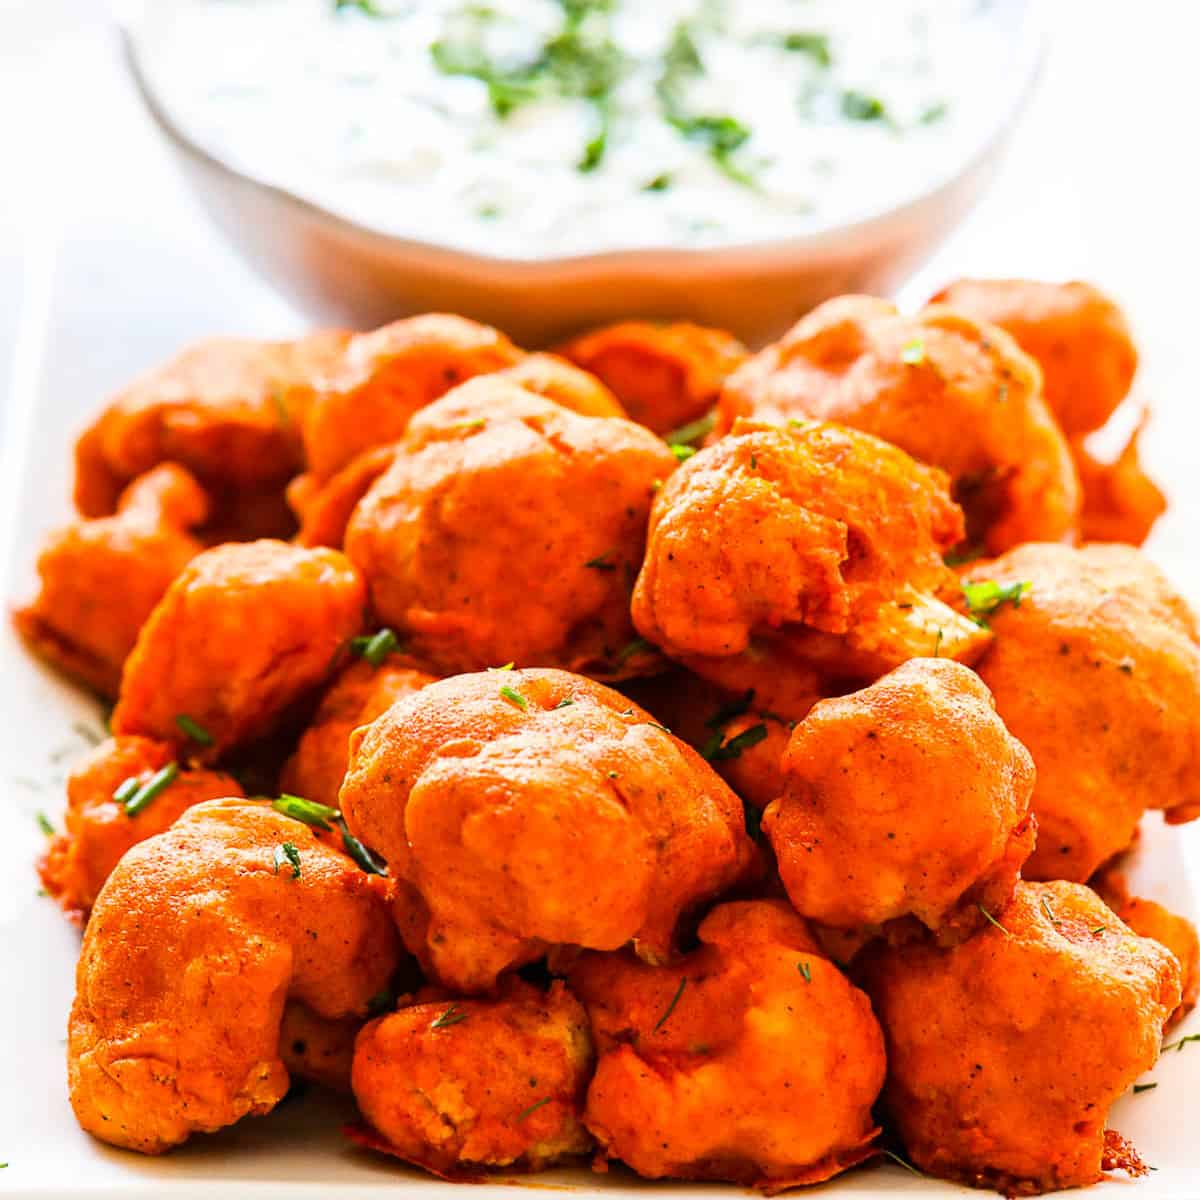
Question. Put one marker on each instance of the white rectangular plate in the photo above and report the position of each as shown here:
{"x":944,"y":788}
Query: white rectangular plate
{"x":74,"y":345}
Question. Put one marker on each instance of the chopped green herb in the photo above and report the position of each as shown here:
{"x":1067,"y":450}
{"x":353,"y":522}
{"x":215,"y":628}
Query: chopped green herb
{"x":933,"y":112}
{"x":148,"y":791}
{"x":507,"y":667}
{"x":985,"y":597}
{"x":693,"y":431}
{"x":357,"y":851}
{"x":1183,"y":1041}
{"x":287,"y":852}
{"x":514,"y":698}
{"x":193,"y":730}
{"x":375,"y":647}
{"x":754,"y":462}
{"x":734,"y":708}
{"x":1139,"y":1088}
{"x":44,"y":824}
{"x":805,"y":970}
{"x":858,"y":106}
{"x":937,"y":645}
{"x":632,"y":650}
{"x":319,"y":816}
{"x":126,"y":788}
{"x":452,"y":1016}
{"x":659,"y":183}
{"x":682,"y":453}
{"x":1049,"y":911}
{"x":367,"y":7}
{"x":733,"y":748}
{"x":656,"y":725}
{"x":992,"y":920}
{"x":662,"y":1020}
{"x":815,"y":45}
{"x":903,"y":1162}
{"x":1099,"y":929}
{"x":913,"y":353}
{"x":601,"y":563}
{"x":382,"y":1002}
{"x":532,"y":1108}
{"x":565,"y":703}
{"x":960,"y":557}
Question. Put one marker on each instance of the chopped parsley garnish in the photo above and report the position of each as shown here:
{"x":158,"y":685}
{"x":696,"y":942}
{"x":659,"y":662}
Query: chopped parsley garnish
{"x":44,"y":824}
{"x":362,"y":856}
{"x":141,"y":798}
{"x":319,"y":816}
{"x":287,"y":853}
{"x":985,"y":597}
{"x":693,"y":431}
{"x":716,"y":749}
{"x":1139,"y":1088}
{"x":375,"y":647}
{"x":452,"y":1016}
{"x":662,"y":1020}
{"x":913,"y":353}
{"x":193,"y":730}
{"x":858,"y":106}
{"x":682,"y":453}
{"x":525,"y":1112}
{"x":805,"y":970}
{"x":601,"y":563}
{"x":992,"y":920}
{"x":659,"y":183}
{"x":514,"y":698}
{"x":815,"y":45}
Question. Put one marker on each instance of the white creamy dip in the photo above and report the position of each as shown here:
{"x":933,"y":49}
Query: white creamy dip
{"x":530,"y":128}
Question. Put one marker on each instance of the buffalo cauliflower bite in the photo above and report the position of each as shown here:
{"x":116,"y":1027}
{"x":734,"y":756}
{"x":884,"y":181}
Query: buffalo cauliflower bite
{"x":1006,"y":1052}
{"x":245,"y":631}
{"x":1097,"y":672}
{"x":384,"y":377}
{"x":458,"y":1086}
{"x":563,"y":382}
{"x":360,"y":694}
{"x":195,"y":943}
{"x":318,"y":1049}
{"x":951,"y":392}
{"x":666,"y":374}
{"x":509,"y":528}
{"x":532,"y":809}
{"x":1149,"y":919}
{"x":790,"y":553}
{"x":753,"y":1060}
{"x":1077,"y":335}
{"x":101,"y":578}
{"x":907,"y":799}
{"x":229,"y":410}
{"x":100,"y":828}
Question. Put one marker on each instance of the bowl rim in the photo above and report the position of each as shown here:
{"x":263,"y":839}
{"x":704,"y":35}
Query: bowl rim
{"x":1030,"y":38}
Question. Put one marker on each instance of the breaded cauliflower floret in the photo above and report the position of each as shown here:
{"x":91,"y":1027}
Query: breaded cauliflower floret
{"x":952,"y":392}
{"x":510,"y":529}
{"x":666,"y":374}
{"x":195,"y":942}
{"x":101,"y":578}
{"x":754,"y":1060}
{"x":1006,"y":1052}
{"x":780,"y":554}
{"x":908,"y":799}
{"x":100,"y":828}
{"x":245,"y":631}
{"x":1097,"y":672}
{"x":534,"y":809}
{"x":460,"y":1086}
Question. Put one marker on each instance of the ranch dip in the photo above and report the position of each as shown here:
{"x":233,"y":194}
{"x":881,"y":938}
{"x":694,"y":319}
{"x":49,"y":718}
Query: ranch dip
{"x":537,"y":128}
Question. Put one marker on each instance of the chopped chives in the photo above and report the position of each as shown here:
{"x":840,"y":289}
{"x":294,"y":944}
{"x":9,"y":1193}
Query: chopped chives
{"x":310,"y":812}
{"x":193,"y":730}
{"x":375,"y":647}
{"x":514,"y":698}
{"x":357,"y":851}
{"x":151,"y":789}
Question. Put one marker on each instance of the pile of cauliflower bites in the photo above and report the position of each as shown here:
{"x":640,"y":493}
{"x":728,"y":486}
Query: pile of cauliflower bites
{"x":646,"y":751}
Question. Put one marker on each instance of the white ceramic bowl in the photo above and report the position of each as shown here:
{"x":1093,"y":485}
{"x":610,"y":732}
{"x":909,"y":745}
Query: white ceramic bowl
{"x":344,"y":273}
